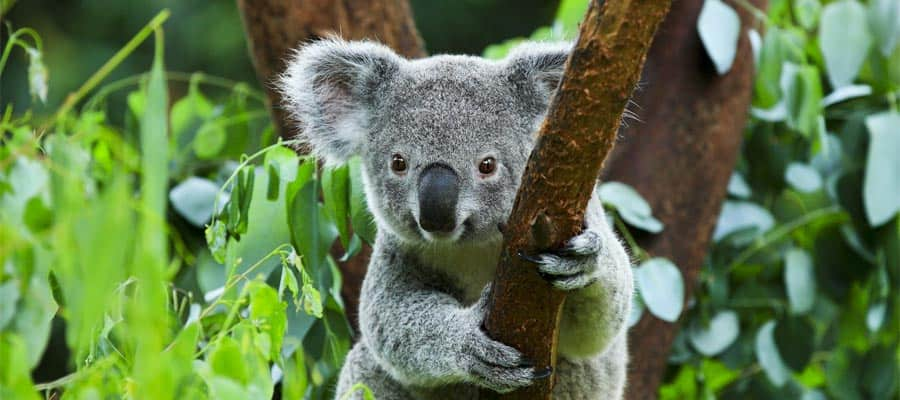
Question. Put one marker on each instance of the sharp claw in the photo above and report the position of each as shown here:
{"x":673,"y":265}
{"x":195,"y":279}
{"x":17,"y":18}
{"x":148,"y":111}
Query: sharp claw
{"x":543,"y":374}
{"x":526,"y":363}
{"x":526,"y":257}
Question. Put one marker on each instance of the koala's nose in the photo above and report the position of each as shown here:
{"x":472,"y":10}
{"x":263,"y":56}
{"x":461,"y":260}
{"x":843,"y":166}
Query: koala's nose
{"x":438,"y":192}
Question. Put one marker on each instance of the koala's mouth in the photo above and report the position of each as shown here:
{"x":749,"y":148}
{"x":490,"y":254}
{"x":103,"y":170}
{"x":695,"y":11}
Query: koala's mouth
{"x":461,"y":231}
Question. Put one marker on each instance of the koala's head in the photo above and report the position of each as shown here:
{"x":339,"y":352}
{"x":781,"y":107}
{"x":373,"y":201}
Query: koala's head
{"x":443,"y":140}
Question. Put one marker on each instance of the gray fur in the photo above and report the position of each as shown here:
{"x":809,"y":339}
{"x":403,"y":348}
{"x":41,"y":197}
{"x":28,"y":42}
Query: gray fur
{"x":423,"y":298}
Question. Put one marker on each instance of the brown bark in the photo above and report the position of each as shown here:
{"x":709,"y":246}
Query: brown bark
{"x":680,"y":158}
{"x":274,"y":27}
{"x":576,"y":136}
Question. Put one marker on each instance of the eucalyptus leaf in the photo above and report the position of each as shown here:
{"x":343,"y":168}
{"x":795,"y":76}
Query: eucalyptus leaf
{"x":738,"y":187}
{"x":802,"y":97}
{"x":845,"y":93}
{"x":768,"y":356}
{"x":712,"y":339}
{"x":884,"y":21}
{"x":881,"y":185}
{"x":875,"y":316}
{"x":799,"y":280}
{"x":795,"y":338}
{"x":738,"y":215}
{"x":661,"y":287}
{"x":637,"y":310}
{"x":194,"y":199}
{"x":803,"y":177}
{"x":719,"y":27}
{"x":807,"y":12}
{"x":845,"y":40}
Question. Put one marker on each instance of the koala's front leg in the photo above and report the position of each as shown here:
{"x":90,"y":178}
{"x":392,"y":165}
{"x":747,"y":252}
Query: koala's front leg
{"x":423,"y":337}
{"x":595,"y":268}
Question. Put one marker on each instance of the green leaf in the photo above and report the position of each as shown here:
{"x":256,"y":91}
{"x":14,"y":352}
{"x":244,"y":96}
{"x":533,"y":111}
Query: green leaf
{"x":802,"y":97}
{"x":360,"y":217}
{"x":884,"y":20}
{"x":15,"y":380}
{"x":795,"y":338}
{"x":194,"y":199}
{"x":880,"y":371}
{"x":312,"y":299}
{"x":722,"y":331}
{"x":9,"y":296}
{"x":216,"y":238}
{"x":881,"y":190}
{"x":226,"y":360}
{"x":336,"y":193}
{"x":661,"y":288}
{"x":295,"y":379}
{"x":738,"y":215}
{"x":738,"y":187}
{"x":803,"y":177}
{"x":807,"y":12}
{"x":719,"y":27}
{"x":845,"y":40}
{"x":843,"y":373}
{"x":875,"y":316}
{"x":187,"y":115}
{"x":768,"y":357}
{"x":268,"y":314}
{"x":37,"y":216}
{"x":844,"y":93}
{"x":637,"y":310}
{"x":210,"y":140}
{"x":630,"y":206}
{"x":799,"y":280}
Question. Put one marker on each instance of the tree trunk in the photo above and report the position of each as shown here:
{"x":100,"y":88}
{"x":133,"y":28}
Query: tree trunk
{"x":578,"y":133}
{"x":275,"y":27}
{"x":680,"y":159}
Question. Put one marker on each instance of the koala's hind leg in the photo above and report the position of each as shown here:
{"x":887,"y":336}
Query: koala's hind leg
{"x":360,"y":367}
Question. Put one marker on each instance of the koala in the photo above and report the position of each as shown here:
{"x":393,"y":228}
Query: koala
{"x":443,"y":143}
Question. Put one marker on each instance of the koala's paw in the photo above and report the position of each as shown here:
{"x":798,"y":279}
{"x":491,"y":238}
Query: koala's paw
{"x":572,"y":267}
{"x":496,"y":366}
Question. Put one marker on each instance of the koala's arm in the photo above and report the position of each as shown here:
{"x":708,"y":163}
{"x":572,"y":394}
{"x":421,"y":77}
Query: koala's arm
{"x":595,"y":316}
{"x":424,"y":337}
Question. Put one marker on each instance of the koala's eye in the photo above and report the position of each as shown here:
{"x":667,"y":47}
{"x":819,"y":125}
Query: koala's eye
{"x":487,"y":166}
{"x":398,"y":163}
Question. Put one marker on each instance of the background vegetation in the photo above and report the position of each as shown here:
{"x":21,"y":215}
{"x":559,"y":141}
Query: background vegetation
{"x":196,"y":264}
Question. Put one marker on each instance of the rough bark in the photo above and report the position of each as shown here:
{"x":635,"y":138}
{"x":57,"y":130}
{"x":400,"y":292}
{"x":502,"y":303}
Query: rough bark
{"x":680,"y":157}
{"x":577,"y":134}
{"x":275,"y":27}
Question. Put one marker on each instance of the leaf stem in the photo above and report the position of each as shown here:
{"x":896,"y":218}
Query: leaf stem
{"x":777,"y":234}
{"x":108,"y":67}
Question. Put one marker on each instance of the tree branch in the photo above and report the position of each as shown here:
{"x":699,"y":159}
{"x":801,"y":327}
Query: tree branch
{"x":576,"y":136}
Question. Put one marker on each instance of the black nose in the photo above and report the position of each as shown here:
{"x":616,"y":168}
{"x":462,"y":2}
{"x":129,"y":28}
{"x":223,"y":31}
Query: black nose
{"x":438,"y":192}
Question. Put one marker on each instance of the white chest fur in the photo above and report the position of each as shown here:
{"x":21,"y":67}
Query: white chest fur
{"x":471,"y":267}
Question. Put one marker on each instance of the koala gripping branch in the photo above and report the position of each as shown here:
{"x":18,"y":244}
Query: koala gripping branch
{"x":575,"y":138}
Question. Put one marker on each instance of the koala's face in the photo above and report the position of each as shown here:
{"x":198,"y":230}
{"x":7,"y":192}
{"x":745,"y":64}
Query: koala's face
{"x":444,"y":140}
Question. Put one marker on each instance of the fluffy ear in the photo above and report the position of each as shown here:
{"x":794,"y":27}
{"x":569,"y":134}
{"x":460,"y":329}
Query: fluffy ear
{"x":538,"y":67}
{"x":330,"y":87}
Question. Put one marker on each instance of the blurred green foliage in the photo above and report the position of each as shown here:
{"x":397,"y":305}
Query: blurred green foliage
{"x":164,"y":244}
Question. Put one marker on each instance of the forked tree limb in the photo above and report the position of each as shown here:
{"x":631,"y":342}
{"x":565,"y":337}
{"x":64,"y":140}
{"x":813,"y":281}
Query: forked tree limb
{"x":575,"y":138}
{"x":274,"y":27}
